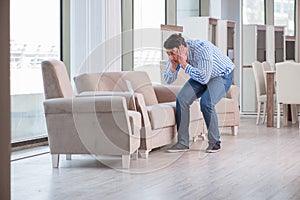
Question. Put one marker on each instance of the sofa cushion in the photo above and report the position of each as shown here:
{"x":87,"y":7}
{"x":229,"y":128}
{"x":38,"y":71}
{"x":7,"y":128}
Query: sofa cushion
{"x":161,"y":115}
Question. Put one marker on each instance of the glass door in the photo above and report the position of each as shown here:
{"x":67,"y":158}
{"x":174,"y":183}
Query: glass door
{"x":34,"y":37}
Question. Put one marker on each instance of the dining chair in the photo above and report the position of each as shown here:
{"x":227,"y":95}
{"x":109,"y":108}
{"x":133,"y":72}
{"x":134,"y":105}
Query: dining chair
{"x":260,"y":89}
{"x":266,"y":67}
{"x":287,"y":88}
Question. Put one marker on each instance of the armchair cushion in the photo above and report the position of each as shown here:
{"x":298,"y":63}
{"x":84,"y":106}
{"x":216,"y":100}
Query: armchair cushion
{"x":195,"y":113}
{"x":225,"y":105}
{"x":161,"y":115}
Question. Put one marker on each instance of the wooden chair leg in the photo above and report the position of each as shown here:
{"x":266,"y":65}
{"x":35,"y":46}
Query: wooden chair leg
{"x":68,"y":156}
{"x":278,"y":115}
{"x":135,"y":155}
{"x":144,"y":153}
{"x":258,"y":112}
{"x":234,"y":130}
{"x":264,"y":113}
{"x":294,"y":113}
{"x":55,"y":160}
{"x":126,"y":161}
{"x":285,"y":114}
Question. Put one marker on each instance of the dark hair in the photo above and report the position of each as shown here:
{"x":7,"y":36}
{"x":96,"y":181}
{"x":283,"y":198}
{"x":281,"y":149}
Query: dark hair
{"x":175,"y":40}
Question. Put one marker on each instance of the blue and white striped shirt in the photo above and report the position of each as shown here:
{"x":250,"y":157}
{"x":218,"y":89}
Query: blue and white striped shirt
{"x":205,"y":61}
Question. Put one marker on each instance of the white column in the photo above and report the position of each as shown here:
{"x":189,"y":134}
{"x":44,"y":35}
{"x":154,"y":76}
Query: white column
{"x":297,"y":42}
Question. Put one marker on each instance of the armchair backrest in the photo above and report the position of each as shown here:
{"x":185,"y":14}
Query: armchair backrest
{"x":287,"y":82}
{"x":116,"y":81}
{"x":56,"y":80}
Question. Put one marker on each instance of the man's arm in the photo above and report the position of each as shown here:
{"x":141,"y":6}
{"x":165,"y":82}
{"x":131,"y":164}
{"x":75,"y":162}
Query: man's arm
{"x":171,"y":72}
{"x":201,"y":72}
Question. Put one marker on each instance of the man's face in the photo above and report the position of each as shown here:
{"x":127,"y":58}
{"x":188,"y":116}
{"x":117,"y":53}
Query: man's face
{"x":173,"y":54}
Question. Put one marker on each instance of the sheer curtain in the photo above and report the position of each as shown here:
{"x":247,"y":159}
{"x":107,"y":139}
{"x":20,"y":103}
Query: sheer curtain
{"x":95,"y":36}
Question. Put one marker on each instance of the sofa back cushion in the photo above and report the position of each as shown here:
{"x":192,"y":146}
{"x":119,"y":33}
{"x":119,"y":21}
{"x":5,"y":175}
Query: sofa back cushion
{"x":116,"y":81}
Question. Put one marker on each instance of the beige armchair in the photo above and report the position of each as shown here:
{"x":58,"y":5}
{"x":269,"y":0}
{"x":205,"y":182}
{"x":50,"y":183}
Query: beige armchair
{"x":228,"y":110}
{"x":155,"y":103}
{"x":87,"y":125}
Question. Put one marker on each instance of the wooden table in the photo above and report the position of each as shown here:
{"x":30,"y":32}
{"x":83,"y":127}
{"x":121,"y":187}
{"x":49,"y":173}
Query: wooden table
{"x":270,"y":97}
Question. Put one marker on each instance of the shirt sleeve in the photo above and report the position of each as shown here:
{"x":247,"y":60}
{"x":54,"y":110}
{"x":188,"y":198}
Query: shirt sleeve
{"x":202,"y":72}
{"x":169,"y":76}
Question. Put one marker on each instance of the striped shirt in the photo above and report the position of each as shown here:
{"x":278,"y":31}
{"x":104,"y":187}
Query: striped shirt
{"x":205,"y":61}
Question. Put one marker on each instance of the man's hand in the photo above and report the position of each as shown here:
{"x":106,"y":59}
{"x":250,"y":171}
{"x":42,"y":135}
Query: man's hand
{"x":173,"y":65}
{"x":182,"y":58}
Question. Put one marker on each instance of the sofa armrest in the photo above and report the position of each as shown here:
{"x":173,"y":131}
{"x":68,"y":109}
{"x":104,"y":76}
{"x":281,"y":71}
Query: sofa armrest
{"x":166,"y":93}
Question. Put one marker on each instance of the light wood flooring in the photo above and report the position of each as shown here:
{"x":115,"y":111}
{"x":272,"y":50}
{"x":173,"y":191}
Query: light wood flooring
{"x":258,"y":163}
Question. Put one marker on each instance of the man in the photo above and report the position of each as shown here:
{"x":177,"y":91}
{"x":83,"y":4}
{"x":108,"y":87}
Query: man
{"x":211,"y":74}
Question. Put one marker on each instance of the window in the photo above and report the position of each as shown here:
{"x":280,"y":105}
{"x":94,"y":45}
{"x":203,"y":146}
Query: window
{"x":187,"y":8}
{"x":35,"y":36}
{"x":253,"y":12}
{"x":148,"y":16}
{"x":284,"y":15}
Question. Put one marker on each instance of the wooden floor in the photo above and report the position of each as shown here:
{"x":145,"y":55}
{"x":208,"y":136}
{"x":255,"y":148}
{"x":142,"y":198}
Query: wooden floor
{"x":258,"y":163}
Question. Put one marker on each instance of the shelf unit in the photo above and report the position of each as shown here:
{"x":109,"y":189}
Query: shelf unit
{"x":226,"y":40}
{"x":260,"y":43}
{"x":279,"y":40}
{"x":202,"y":28}
{"x":290,"y":48}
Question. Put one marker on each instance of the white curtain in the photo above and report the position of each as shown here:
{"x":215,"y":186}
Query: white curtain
{"x":95,"y":36}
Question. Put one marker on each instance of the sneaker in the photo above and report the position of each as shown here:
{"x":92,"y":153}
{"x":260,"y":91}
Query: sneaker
{"x":213,"y":148}
{"x":178,"y":148}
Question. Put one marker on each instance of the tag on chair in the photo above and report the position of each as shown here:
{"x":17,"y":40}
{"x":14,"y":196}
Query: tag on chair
{"x":131,"y":91}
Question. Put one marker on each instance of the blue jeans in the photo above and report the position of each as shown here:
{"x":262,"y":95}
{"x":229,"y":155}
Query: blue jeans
{"x":210,"y":94}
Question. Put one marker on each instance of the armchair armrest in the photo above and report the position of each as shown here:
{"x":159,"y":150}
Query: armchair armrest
{"x":85,"y":105}
{"x":233,"y":93}
{"x":166,"y":93}
{"x":95,"y":125}
{"x":127,"y":95}
{"x":139,"y":100}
